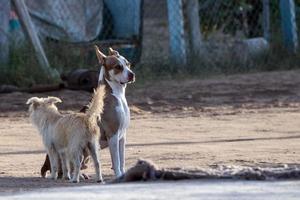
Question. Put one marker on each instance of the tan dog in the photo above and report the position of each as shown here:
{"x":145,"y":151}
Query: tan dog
{"x":65,"y":136}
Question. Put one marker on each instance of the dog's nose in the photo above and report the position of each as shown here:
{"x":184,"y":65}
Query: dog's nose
{"x":131,"y":76}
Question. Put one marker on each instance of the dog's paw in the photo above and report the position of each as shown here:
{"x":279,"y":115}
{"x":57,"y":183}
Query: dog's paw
{"x":53,"y":177}
{"x":74,"y":181}
{"x":60,"y":175}
{"x":84,"y":176}
{"x":67,"y":178}
{"x":101,"y":181}
{"x":43,"y":173}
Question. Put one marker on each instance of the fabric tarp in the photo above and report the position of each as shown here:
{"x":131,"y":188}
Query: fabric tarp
{"x":68,"y":20}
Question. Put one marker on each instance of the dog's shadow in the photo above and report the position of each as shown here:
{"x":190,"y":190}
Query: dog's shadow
{"x":10,"y":185}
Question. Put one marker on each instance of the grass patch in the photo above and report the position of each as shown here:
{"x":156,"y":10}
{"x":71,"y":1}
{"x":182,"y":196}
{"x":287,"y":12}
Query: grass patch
{"x":22,"y":69}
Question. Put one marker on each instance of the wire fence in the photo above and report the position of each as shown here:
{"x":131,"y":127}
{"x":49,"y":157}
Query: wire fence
{"x":233,"y":35}
{"x":4,"y":26}
{"x":160,"y":35}
{"x":233,"y":32}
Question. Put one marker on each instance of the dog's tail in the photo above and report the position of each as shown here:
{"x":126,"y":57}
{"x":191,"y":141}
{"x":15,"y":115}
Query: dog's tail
{"x":95,"y":107}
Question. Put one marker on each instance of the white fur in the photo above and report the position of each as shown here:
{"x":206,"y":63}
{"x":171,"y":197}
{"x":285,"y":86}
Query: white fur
{"x":101,"y":74}
{"x":126,"y":70}
{"x":117,"y":142}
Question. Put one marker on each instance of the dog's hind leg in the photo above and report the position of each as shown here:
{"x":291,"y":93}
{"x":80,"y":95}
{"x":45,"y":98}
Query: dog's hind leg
{"x":46,"y":166}
{"x":53,"y":156}
{"x":65,"y":166}
{"x":76,"y":165}
{"x":93,"y":147}
{"x":113,"y":144}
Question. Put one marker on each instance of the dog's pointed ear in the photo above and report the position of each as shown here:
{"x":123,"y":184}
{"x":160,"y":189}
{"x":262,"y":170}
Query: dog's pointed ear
{"x":113,"y":52}
{"x":53,"y":100}
{"x":101,"y":56}
{"x":33,"y":100}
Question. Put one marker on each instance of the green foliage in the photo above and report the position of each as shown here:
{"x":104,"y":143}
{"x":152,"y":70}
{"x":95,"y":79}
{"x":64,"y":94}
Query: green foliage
{"x":66,"y":57}
{"x":23,"y":69}
{"x":223,"y":15}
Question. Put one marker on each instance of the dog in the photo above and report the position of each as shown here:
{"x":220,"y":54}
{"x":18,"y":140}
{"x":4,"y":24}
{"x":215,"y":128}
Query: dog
{"x":86,"y":157}
{"x":66,"y":136}
{"x":115,"y":74}
{"x":142,"y":170}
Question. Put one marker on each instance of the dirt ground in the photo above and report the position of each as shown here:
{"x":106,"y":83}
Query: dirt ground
{"x":246,"y":120}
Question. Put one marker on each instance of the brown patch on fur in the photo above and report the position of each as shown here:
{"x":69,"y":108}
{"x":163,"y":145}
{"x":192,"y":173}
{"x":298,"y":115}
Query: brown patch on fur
{"x":110,"y":62}
{"x":109,"y":122}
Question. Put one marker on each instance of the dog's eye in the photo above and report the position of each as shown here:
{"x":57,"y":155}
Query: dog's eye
{"x":118,"y":67}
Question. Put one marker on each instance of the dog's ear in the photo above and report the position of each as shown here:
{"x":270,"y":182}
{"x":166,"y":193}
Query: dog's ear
{"x":101,"y":56}
{"x":33,"y":100}
{"x":53,"y":100}
{"x":113,"y":52}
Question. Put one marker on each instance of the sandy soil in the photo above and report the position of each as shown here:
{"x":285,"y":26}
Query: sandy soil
{"x":247,"y":120}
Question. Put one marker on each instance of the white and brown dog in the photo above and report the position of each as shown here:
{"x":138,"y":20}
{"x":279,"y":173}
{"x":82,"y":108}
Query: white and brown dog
{"x":115,"y":73}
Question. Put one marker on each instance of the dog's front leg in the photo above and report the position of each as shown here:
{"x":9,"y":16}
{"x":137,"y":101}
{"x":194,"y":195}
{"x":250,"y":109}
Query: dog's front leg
{"x":113,"y":144}
{"x":122,"y":143}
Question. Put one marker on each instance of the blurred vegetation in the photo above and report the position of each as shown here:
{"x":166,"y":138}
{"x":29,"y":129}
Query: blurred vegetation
{"x":231,"y":16}
{"x":23,"y":69}
{"x":227,"y":16}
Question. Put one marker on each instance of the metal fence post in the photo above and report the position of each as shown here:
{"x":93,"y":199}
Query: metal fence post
{"x":176,"y":32}
{"x":4,"y":31}
{"x":194,"y":26}
{"x":266,"y":19}
{"x":288,"y":23}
